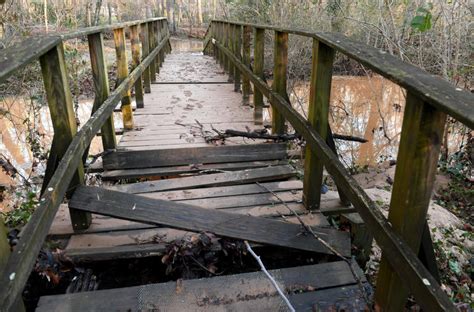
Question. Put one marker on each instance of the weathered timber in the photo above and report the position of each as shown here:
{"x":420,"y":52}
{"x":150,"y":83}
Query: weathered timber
{"x":215,"y":179}
{"x":145,"y":50}
{"x":179,"y":170}
{"x":135,"y":44}
{"x":152,"y":44}
{"x":280,"y":67}
{"x":246,"y":41}
{"x":318,"y":113}
{"x":330,"y":284}
{"x":200,"y":155}
{"x":237,"y":43}
{"x":400,"y":256}
{"x":228,"y":40}
{"x":53,"y":68}
{"x":101,"y":87}
{"x":157,"y":33}
{"x":24,"y":255}
{"x":259,"y":55}
{"x":188,"y":217}
{"x":122,"y":73}
{"x":420,"y":142}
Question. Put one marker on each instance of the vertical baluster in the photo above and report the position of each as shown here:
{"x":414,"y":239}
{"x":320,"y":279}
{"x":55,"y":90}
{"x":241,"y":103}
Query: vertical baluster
{"x":320,"y":91}
{"x":221,"y":41}
{"x":145,"y":51}
{"x":58,"y":95}
{"x":246,"y":61}
{"x":238,"y":53}
{"x":134,"y":40}
{"x":259,"y":54}
{"x":229,"y":45}
{"x":420,"y":142}
{"x":165,"y":33}
{"x":122,"y":73}
{"x":156,"y":30}
{"x":151,"y":42}
{"x":101,"y":86}
{"x":280,"y":68}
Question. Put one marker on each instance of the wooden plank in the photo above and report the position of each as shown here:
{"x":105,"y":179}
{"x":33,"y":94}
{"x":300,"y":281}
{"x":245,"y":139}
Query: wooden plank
{"x":401,"y":257}
{"x":237,"y":47}
{"x":173,"y":171}
{"x":228,"y":41}
{"x":202,"y":155}
{"x":259,"y":63}
{"x":188,"y":217}
{"x":145,"y":50}
{"x":327,"y":283}
{"x":157,"y":32}
{"x":136,"y":58}
{"x":122,"y":73}
{"x":247,"y":33}
{"x":53,"y":68}
{"x":280,"y":68}
{"x":101,"y":87}
{"x":318,"y":114}
{"x":420,"y":143}
{"x":152,"y":43}
{"x":216,"y":179}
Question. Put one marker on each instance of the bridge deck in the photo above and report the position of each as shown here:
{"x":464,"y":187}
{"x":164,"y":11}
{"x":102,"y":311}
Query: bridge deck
{"x":179,"y":184}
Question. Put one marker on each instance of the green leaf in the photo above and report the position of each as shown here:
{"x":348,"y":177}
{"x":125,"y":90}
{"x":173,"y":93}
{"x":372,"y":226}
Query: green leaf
{"x":454,"y":266}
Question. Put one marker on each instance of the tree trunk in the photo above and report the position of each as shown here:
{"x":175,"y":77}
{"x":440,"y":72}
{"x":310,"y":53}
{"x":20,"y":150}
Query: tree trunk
{"x":98,"y":6}
{"x":45,"y":7}
{"x":109,"y":7}
{"x":199,"y":7}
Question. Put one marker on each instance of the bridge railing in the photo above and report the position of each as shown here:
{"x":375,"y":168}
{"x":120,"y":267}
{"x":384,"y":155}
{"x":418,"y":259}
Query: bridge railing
{"x":429,"y":100}
{"x":69,"y":149}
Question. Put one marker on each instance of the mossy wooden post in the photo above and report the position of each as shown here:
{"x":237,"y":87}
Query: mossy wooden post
{"x":156,"y":30}
{"x":259,"y":61}
{"x":280,"y":67}
{"x":101,"y":87}
{"x":18,"y":306}
{"x":246,"y":60}
{"x":58,"y":95}
{"x":318,"y":112}
{"x":145,"y":50}
{"x":237,"y":48}
{"x":135,"y":43}
{"x":163,"y":31}
{"x":122,"y":73}
{"x":230,"y":46}
{"x":221,"y":41}
{"x":420,"y":142}
{"x":151,"y":42}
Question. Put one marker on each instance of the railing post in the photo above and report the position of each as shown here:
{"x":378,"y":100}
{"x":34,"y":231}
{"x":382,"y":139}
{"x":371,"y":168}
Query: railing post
{"x":246,"y":60}
{"x":151,"y":42}
{"x":145,"y":50}
{"x":122,"y":73}
{"x":156,"y":30}
{"x":53,"y":68}
{"x":101,"y":86}
{"x":164,"y":31}
{"x":318,"y":112}
{"x":420,"y":142}
{"x":237,"y":47}
{"x":280,"y":68}
{"x":135,"y":42}
{"x":258,"y":55}
{"x":220,"y":38}
{"x":229,"y":45}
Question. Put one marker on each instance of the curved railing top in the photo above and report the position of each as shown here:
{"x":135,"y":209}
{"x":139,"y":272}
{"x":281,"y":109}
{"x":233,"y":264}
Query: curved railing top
{"x":455,"y":102}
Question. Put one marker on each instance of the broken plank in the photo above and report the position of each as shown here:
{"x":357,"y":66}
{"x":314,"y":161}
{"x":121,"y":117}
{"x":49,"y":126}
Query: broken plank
{"x":328,"y":283}
{"x":178,"y":170}
{"x":188,"y":217}
{"x":199,"y":155}
{"x":216,"y":179}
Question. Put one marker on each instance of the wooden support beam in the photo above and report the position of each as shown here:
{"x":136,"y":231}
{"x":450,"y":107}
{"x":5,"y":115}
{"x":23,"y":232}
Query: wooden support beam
{"x":152,"y":44}
{"x":246,"y":60}
{"x":183,"y":216}
{"x":258,"y":66}
{"x":135,"y":42}
{"x":156,"y":31}
{"x":145,"y":51}
{"x":53,"y":67}
{"x":280,"y":68}
{"x":318,"y":113}
{"x":220,"y":38}
{"x":164,"y":32}
{"x":420,"y":142}
{"x":101,"y":87}
{"x":228,"y":42}
{"x":237,"y":43}
{"x":122,"y":73}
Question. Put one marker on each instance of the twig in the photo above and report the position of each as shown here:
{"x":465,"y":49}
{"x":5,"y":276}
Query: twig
{"x":322,"y":241}
{"x":275,"y":284}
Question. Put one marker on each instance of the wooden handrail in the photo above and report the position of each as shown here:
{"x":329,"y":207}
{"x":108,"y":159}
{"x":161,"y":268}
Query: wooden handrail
{"x":24,"y":255}
{"x":399,"y":254}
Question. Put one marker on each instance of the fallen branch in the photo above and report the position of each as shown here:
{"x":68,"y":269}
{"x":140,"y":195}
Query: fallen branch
{"x":322,"y":241}
{"x":275,"y":284}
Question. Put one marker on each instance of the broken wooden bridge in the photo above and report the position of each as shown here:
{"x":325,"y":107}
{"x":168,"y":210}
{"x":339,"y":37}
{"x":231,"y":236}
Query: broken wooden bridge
{"x":168,"y":178}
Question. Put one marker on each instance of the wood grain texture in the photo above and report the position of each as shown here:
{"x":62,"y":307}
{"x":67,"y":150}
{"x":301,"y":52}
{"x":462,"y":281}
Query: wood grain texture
{"x":280,"y":68}
{"x":246,"y":42}
{"x":145,"y":50}
{"x":152,"y":44}
{"x":188,"y":217}
{"x":259,"y":63}
{"x":136,"y":59}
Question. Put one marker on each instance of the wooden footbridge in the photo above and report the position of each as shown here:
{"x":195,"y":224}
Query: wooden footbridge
{"x":244,"y":190}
